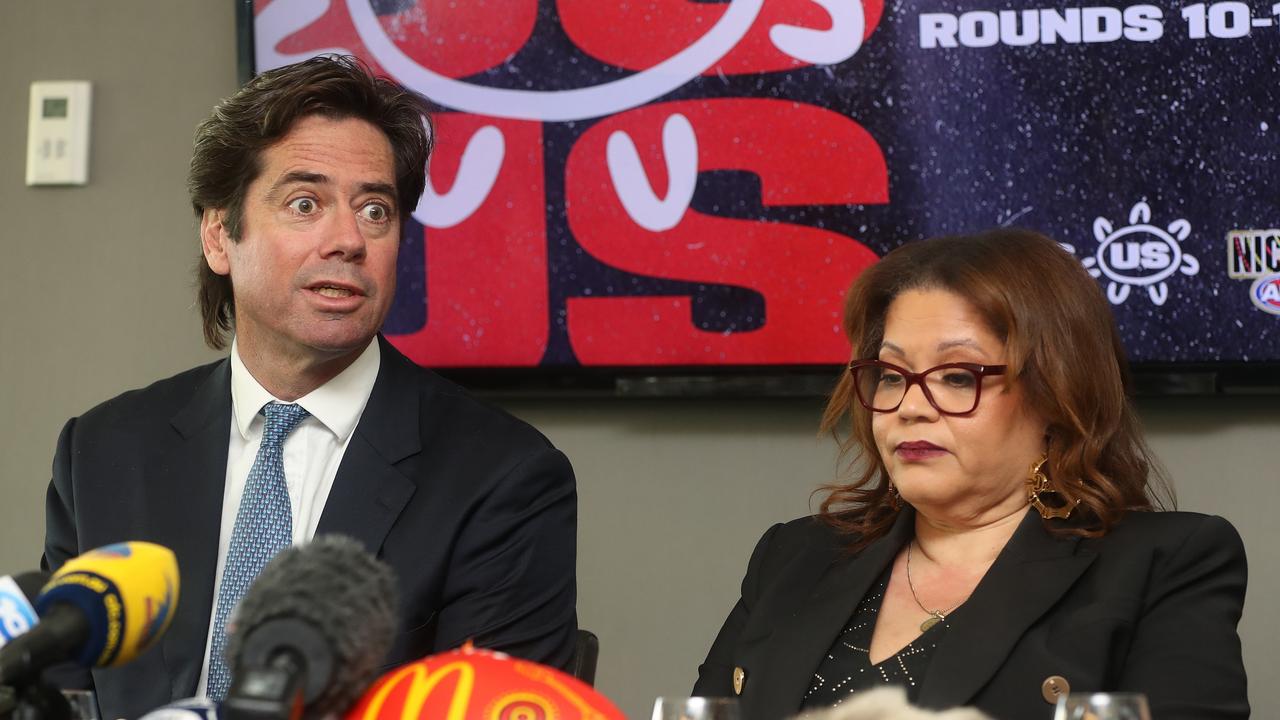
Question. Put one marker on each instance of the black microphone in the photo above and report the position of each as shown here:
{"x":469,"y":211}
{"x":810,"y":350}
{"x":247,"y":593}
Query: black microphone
{"x":18,"y":616}
{"x":310,"y":633}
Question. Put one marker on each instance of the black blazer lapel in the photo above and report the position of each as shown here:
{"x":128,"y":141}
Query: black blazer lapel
{"x":369,"y":491}
{"x":804,"y":635}
{"x":184,"y":488}
{"x":1032,"y":572}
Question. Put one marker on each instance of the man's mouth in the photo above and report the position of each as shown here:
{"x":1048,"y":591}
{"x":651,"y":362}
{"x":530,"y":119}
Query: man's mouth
{"x":331,"y":291}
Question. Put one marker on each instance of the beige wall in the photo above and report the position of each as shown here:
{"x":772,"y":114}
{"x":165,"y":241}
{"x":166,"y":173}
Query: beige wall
{"x":97,"y":299}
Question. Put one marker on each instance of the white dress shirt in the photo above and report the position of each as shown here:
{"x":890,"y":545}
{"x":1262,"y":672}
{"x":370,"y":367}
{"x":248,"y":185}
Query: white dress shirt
{"x":312,"y":452}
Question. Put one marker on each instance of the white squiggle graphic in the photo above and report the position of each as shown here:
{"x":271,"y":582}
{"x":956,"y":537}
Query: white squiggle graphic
{"x":286,"y":17}
{"x":477,"y":172}
{"x":559,"y":105}
{"x":824,"y":47}
{"x":680,"y":150}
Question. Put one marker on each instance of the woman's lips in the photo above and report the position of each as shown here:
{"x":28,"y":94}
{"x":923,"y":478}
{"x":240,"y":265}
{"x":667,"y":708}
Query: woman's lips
{"x":918,"y":450}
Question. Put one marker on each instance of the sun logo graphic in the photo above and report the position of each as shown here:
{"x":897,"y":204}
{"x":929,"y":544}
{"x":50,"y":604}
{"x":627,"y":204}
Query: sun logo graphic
{"x":1140,"y":255}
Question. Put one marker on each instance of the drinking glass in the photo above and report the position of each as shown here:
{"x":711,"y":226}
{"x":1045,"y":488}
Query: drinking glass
{"x":1102,"y":706}
{"x":83,"y":704}
{"x":696,"y":708}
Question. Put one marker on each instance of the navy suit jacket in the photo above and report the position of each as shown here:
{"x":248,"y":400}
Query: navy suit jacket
{"x":1150,"y":607}
{"x":473,"y":509}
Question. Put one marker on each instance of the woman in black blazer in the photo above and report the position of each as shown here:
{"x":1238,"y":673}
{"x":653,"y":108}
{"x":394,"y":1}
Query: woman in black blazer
{"x":998,"y":545}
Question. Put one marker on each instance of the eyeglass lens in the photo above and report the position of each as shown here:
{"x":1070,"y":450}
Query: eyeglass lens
{"x":953,"y":390}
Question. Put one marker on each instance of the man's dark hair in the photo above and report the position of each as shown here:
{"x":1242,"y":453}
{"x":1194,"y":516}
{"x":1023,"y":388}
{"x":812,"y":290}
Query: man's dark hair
{"x":230,"y":143}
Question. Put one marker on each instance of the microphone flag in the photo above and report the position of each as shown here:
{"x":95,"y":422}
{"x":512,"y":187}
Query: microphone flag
{"x":17,"y":614}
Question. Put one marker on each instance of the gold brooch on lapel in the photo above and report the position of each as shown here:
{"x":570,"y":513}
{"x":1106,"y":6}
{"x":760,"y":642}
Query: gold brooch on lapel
{"x":739,"y":677}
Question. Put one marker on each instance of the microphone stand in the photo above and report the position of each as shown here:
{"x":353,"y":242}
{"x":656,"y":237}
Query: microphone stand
{"x":272,"y":693}
{"x":37,"y":701}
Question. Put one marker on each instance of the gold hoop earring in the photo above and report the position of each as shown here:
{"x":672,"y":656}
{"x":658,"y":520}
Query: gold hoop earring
{"x":1038,"y":485}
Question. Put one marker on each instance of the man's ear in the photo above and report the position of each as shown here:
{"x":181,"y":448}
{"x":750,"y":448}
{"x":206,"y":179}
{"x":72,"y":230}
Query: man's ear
{"x":214,"y":239}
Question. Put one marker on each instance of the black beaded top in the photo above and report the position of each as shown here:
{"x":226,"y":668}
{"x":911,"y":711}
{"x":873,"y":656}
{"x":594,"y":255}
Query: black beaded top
{"x":847,"y":668}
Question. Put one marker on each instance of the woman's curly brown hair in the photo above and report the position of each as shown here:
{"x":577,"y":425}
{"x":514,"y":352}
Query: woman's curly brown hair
{"x":1061,"y":345}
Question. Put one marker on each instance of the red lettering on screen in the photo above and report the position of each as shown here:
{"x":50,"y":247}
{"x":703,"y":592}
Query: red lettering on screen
{"x":455,"y":38}
{"x":486,"y":291}
{"x":803,"y":155}
{"x":639,"y":35}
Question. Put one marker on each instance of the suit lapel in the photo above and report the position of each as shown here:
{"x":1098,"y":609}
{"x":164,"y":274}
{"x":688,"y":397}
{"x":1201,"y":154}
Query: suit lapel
{"x":185,"y":488}
{"x":804,"y":635}
{"x":369,"y":491}
{"x":1033,"y":571}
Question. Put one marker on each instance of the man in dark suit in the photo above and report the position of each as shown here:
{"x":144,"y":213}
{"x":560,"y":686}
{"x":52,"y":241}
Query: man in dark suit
{"x":314,"y":423}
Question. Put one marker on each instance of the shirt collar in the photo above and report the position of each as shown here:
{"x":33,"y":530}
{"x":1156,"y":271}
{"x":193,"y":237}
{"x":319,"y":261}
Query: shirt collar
{"x":338,"y":404}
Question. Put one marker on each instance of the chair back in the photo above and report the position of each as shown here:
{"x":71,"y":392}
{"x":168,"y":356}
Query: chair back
{"x":586,"y":649}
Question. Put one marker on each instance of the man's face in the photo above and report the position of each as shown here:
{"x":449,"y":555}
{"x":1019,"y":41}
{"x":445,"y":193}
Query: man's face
{"x":314,"y":270}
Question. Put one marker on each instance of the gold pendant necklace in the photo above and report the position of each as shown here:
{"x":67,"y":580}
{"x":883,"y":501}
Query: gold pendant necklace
{"x":935,"y":616}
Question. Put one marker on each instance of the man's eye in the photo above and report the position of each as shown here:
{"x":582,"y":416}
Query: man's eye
{"x":303,"y":205}
{"x":375,"y":212}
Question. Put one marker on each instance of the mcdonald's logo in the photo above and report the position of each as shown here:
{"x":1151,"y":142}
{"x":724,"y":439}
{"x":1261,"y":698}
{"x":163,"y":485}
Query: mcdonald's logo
{"x":473,"y":684}
{"x":419,"y":681}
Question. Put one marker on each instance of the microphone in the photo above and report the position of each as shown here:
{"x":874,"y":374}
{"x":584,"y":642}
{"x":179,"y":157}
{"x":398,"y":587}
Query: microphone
{"x":101,"y":609}
{"x":17,"y":614}
{"x":888,"y":703}
{"x":311,"y":632}
{"x":472,"y":682}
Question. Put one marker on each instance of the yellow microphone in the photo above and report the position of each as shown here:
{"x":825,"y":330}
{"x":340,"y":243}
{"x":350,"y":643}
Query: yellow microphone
{"x":101,"y":609}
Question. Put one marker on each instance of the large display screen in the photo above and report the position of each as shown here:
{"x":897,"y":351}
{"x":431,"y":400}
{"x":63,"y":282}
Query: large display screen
{"x":695,"y":183}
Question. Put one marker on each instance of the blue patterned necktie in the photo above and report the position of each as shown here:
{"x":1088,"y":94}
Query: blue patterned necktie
{"x":264,"y":527}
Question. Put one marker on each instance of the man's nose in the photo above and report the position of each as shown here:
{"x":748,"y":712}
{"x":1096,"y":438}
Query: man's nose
{"x":344,"y":238}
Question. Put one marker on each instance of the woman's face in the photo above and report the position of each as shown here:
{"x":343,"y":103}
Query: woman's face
{"x":967,"y":468}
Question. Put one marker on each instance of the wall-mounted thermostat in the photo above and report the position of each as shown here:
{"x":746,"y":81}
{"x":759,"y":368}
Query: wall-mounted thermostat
{"x":58,"y":133}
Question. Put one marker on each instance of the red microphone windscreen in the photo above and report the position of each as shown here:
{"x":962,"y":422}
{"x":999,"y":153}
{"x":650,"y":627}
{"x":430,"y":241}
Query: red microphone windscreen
{"x":472,"y":683}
